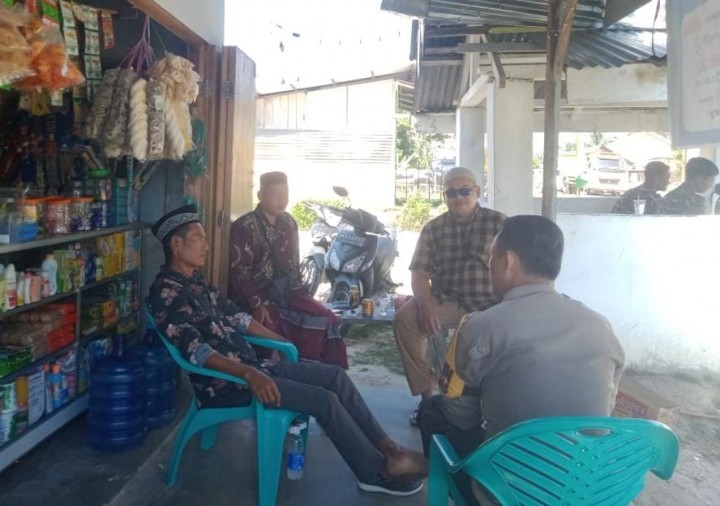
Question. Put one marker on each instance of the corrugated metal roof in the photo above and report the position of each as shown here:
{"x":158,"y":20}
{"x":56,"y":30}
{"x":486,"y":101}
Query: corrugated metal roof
{"x":589,"y":13}
{"x":438,"y":87}
{"x":602,"y":48}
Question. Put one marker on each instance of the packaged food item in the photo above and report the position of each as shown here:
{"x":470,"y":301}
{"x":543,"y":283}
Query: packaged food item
{"x":101,"y":105}
{"x":116,"y":127}
{"x":15,"y":53}
{"x":57,"y":216}
{"x":156,"y":120}
{"x":139,"y":120}
{"x":53,"y":69}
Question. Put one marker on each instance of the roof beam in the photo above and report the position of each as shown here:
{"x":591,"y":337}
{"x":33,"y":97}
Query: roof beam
{"x":416,"y":8}
{"x":496,"y":64}
{"x":500,"y":47}
{"x":615,"y":10}
{"x":454,"y":31}
{"x":477,"y":93}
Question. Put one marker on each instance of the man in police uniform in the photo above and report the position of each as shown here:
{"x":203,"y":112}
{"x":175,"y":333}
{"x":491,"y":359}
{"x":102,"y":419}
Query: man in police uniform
{"x":690,"y":198}
{"x":657,"y":178}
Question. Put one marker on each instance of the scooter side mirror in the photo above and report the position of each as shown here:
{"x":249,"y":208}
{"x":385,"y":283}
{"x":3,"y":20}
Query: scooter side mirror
{"x":341,"y":191}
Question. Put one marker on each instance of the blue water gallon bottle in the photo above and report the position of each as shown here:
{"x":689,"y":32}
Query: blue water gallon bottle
{"x":116,"y":407}
{"x":159,"y":380}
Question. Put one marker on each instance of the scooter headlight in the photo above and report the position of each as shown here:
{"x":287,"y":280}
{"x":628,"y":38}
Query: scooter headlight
{"x":353,"y":266}
{"x":334,"y":260}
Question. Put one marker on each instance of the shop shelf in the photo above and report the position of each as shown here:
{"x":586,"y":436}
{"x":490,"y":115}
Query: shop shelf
{"x":34,"y":305}
{"x":43,"y":428}
{"x":63,"y":239}
{"x":43,"y":360}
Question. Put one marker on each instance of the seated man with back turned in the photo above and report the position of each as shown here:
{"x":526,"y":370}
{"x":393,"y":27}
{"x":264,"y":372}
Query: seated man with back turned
{"x":537,"y":353}
{"x":207,"y":330}
{"x":657,"y":179}
{"x":691,"y":197}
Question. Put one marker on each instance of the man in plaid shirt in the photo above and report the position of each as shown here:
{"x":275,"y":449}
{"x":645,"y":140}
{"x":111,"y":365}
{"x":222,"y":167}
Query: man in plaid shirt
{"x":450,"y":276}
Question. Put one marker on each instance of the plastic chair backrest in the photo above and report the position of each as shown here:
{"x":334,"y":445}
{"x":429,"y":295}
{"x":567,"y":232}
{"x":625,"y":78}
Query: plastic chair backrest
{"x":179,"y":360}
{"x":573,"y":461}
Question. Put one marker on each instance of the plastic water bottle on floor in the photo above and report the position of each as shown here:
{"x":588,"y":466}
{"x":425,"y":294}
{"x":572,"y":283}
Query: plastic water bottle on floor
{"x":296,"y":454}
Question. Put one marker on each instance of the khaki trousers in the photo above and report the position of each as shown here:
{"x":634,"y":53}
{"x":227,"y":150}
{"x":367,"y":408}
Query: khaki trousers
{"x":413,"y":342}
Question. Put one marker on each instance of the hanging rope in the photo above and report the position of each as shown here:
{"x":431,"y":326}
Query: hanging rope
{"x":141,"y":57}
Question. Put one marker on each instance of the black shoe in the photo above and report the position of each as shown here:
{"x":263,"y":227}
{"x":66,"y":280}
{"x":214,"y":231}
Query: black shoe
{"x":396,"y":486}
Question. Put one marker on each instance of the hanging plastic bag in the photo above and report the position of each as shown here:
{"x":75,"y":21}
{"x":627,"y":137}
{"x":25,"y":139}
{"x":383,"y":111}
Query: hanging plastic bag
{"x":14,"y":48}
{"x":53,"y":69}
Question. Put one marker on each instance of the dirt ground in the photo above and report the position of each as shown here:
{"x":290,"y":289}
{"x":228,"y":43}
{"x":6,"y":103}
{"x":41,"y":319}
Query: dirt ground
{"x":374,"y":361}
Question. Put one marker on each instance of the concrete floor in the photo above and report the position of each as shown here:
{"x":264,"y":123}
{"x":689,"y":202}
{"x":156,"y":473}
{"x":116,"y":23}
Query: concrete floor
{"x":65,"y":470}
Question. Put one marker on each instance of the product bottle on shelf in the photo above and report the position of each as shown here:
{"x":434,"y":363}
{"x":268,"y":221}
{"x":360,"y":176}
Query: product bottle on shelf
{"x":20,"y":299}
{"x":2,"y":287}
{"x":10,"y":287}
{"x":56,"y":380}
{"x":48,"y":389}
{"x":50,"y":267}
{"x":27,"y":285}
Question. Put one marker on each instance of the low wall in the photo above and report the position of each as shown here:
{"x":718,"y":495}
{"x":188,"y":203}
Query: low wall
{"x":655,"y":279}
{"x":580,"y":205}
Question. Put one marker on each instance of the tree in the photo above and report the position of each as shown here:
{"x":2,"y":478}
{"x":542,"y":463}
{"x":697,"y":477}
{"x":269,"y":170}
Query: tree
{"x":597,"y":139}
{"x":412,"y":148}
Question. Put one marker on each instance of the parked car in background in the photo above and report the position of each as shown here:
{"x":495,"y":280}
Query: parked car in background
{"x":611,"y":181}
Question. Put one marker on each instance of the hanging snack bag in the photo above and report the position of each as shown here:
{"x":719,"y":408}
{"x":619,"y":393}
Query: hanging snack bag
{"x":156,"y":120}
{"x":101,"y":105}
{"x":14,"y":48}
{"x":53,"y":69}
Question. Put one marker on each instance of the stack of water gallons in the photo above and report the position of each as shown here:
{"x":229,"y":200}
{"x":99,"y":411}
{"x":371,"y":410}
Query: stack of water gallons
{"x":129,"y":394}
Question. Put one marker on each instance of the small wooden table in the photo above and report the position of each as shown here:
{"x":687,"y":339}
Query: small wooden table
{"x":351,"y":317}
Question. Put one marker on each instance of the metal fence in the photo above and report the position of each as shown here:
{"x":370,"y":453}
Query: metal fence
{"x":407,"y":189}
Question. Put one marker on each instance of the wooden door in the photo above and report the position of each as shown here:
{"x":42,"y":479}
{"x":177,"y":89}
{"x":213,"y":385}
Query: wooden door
{"x":208,"y":60}
{"x":235,"y":154}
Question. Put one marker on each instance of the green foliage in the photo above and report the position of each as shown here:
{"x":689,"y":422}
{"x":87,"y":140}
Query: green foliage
{"x":412,"y":148}
{"x":537,"y":162}
{"x":306,"y":217}
{"x":415,"y":213}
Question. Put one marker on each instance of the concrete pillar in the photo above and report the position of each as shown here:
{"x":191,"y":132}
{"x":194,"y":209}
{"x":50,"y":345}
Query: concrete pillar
{"x":510,"y":139}
{"x":470,"y":138}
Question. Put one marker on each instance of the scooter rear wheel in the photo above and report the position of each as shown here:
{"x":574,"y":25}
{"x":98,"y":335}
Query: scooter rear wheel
{"x":311,"y":275}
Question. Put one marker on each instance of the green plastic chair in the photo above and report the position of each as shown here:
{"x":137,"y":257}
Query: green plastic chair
{"x":559,"y":462}
{"x":271,"y":424}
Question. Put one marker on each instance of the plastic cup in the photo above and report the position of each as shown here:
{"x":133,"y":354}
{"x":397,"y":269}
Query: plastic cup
{"x":639,"y":206}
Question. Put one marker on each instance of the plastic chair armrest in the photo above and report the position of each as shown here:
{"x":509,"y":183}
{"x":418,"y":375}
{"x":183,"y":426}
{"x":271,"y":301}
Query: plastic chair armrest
{"x":447,"y":452}
{"x":287,"y":349}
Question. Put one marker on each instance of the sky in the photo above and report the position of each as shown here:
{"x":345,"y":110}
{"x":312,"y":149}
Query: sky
{"x":302,"y":43}
{"x":305,"y":43}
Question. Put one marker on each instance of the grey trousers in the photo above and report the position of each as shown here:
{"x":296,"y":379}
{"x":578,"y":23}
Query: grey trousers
{"x":327,"y":393}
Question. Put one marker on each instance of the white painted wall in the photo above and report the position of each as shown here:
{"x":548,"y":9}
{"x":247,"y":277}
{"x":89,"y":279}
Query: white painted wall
{"x":655,"y":279}
{"x":206,"y":18}
{"x":629,"y":85}
{"x":364,"y":107}
{"x":342,"y":135}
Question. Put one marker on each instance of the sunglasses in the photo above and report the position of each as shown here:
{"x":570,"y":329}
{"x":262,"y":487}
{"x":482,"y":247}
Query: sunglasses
{"x":465,"y":191}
